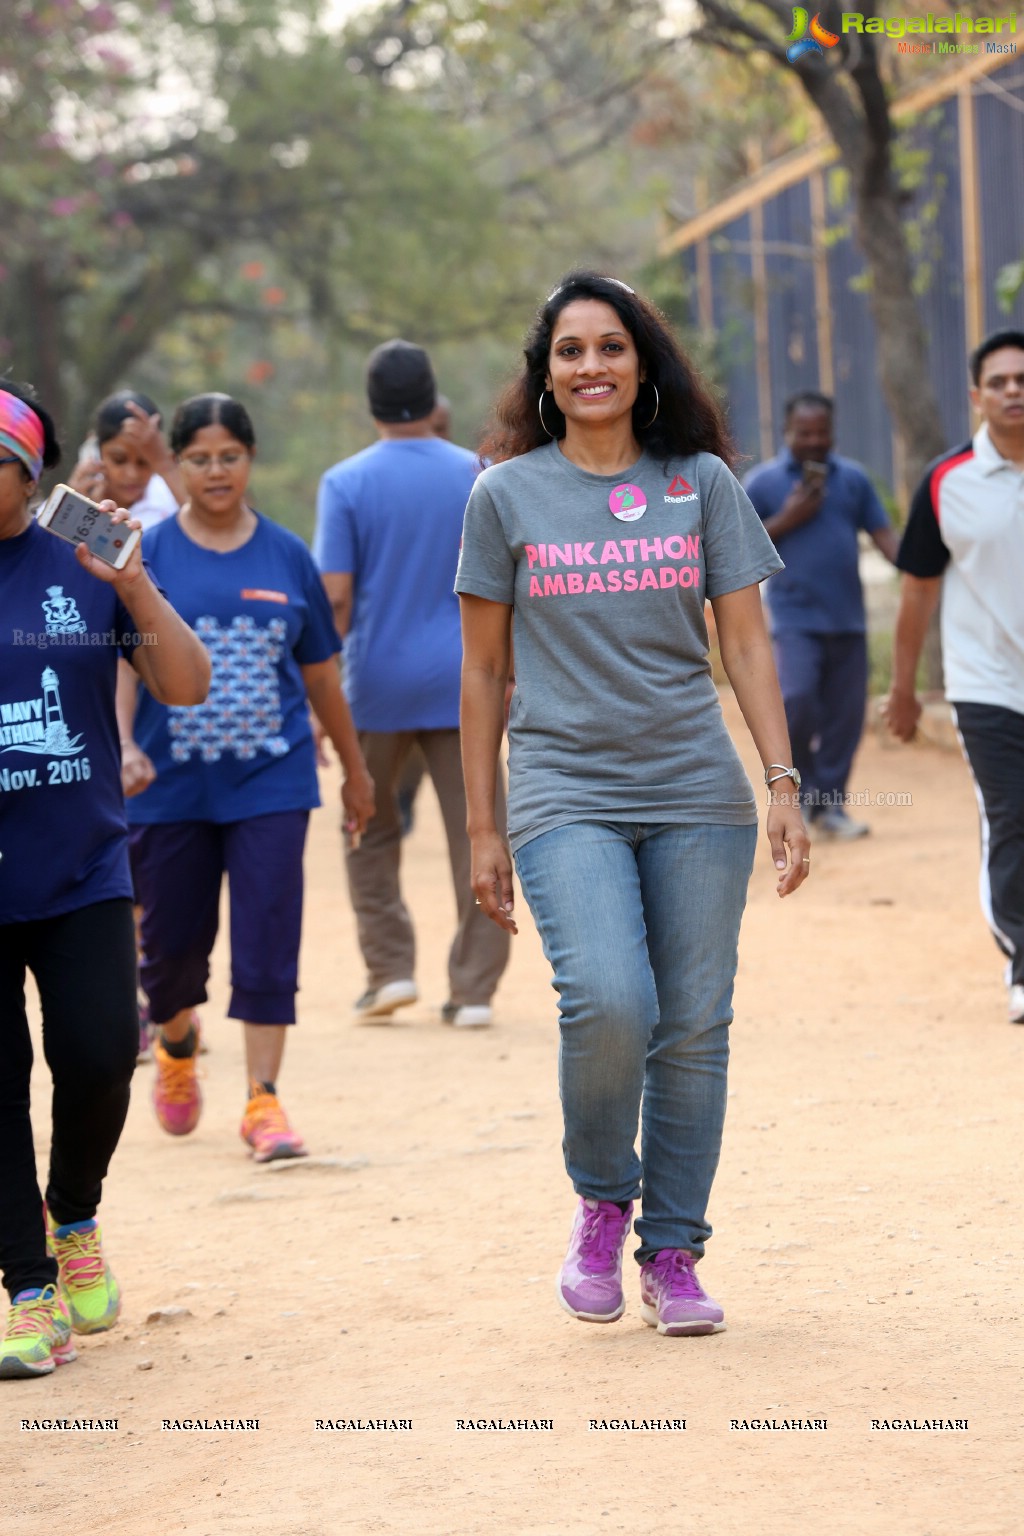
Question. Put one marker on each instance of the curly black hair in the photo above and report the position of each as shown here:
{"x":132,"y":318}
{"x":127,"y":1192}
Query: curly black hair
{"x":688,"y":420}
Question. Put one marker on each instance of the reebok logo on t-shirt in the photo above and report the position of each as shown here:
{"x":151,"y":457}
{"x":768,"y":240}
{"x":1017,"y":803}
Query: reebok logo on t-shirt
{"x":680,"y":490}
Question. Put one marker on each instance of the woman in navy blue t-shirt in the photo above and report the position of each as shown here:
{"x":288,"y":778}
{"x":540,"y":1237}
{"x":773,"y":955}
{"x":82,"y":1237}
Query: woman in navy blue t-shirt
{"x":65,"y":890}
{"x":236,"y":778}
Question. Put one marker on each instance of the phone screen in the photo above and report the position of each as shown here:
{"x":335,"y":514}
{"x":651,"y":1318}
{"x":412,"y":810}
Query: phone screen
{"x":78,"y":520}
{"x":813,"y":472}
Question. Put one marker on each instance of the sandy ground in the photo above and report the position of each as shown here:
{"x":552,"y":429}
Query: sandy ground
{"x":868,"y":1246}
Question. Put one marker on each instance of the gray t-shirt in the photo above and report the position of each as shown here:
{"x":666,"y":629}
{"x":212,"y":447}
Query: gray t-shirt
{"x":615,"y":715}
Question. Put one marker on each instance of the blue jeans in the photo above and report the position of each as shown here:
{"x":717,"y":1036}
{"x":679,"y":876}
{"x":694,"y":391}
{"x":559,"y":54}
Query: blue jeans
{"x":640,"y":925}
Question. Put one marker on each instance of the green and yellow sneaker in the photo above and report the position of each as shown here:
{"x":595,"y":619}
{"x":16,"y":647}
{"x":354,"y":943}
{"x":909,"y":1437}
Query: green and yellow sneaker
{"x":87,"y":1282}
{"x":37,"y":1337}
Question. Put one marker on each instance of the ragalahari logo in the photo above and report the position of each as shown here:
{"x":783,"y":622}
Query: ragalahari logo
{"x":800,"y":45}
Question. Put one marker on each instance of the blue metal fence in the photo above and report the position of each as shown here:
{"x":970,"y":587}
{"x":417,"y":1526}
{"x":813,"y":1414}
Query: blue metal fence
{"x":999,"y":109}
{"x":732,"y":287}
{"x":929,"y":157}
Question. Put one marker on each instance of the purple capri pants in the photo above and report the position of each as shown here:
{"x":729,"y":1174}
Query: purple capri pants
{"x":177,"y":870}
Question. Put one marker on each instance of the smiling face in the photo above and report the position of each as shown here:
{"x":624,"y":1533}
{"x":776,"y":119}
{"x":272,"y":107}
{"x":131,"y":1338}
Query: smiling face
{"x":216,"y":470}
{"x":126,"y":472}
{"x":593,"y":365}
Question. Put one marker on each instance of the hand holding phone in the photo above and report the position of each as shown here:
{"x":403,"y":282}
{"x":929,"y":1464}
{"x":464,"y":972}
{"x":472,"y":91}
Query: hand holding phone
{"x":73,"y":517}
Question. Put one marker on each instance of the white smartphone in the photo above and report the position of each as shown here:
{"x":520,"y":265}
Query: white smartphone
{"x":73,"y":517}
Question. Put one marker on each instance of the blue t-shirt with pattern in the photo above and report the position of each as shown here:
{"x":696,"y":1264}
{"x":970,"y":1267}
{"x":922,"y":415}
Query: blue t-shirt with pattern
{"x":262,"y":613}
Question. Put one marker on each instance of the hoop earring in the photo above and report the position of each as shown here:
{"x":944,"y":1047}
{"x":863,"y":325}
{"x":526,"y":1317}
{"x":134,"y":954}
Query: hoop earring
{"x":540,"y":413}
{"x":657,"y":407}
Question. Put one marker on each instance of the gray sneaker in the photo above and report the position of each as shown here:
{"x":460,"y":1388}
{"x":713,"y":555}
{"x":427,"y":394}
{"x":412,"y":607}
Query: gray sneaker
{"x":468,"y":1015}
{"x":381,"y":1002}
{"x":834,"y":822}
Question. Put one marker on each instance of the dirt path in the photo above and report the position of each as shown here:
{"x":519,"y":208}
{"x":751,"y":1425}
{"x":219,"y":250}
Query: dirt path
{"x":867,"y":1249}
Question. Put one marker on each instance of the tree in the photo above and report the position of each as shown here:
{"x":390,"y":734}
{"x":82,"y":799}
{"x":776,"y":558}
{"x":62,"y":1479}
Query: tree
{"x":845,"y":86}
{"x":128,"y":187}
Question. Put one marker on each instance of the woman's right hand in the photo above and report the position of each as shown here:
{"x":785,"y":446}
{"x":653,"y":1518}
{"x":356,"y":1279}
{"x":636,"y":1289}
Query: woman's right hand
{"x":137,"y":771}
{"x":491,"y":879}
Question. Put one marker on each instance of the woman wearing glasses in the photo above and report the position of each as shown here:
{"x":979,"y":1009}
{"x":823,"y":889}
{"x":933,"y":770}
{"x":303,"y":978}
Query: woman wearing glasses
{"x":235,"y":778}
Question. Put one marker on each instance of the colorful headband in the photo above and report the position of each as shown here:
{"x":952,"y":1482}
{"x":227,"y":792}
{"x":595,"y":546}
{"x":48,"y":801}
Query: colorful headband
{"x":21,"y":432}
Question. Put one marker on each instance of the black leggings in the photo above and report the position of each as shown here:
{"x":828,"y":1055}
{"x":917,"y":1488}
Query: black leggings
{"x":84,"y":966}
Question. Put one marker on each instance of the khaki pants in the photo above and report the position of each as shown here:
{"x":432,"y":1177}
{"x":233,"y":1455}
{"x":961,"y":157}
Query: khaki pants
{"x":479,"y":951}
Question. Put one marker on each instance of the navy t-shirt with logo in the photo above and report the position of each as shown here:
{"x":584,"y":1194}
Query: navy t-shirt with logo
{"x":262,"y":613}
{"x":63,"y":840}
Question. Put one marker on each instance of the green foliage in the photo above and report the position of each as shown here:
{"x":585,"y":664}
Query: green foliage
{"x":199,"y":194}
{"x":1010,"y":284}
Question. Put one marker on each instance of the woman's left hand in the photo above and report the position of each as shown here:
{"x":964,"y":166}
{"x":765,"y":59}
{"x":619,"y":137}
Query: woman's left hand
{"x":791,"y":847}
{"x":132,"y":570}
{"x":359,"y":802}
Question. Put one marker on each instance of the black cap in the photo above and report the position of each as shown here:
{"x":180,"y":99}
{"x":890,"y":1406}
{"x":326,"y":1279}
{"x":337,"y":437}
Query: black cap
{"x":400,"y":383}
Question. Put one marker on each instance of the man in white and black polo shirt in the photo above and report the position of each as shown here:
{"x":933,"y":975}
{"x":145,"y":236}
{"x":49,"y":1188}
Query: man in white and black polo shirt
{"x":965,"y":539}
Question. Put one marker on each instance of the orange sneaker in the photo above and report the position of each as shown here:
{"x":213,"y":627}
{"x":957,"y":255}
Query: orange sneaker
{"x":265,"y":1127}
{"x":177,"y":1098}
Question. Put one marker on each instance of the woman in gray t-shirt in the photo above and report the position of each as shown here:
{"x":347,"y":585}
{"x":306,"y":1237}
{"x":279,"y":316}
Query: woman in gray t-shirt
{"x":605,"y":520}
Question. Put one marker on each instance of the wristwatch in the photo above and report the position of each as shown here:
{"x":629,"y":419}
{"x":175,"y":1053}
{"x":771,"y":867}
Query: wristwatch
{"x":776,"y":771}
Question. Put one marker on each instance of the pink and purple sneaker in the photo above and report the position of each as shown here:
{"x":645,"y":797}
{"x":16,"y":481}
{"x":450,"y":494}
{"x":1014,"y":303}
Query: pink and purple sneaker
{"x":672,"y":1298}
{"x":589,"y":1285}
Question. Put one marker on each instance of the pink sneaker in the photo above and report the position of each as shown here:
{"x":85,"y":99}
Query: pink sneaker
{"x":266,"y":1129}
{"x":672,"y":1299}
{"x":589,"y":1284}
{"x":176,"y":1095}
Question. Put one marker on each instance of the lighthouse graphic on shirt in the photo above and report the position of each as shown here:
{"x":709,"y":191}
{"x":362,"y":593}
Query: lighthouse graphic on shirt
{"x":37,"y":725}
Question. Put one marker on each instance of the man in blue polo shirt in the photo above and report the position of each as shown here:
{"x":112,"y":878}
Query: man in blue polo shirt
{"x":389,"y":523}
{"x":814,"y":505}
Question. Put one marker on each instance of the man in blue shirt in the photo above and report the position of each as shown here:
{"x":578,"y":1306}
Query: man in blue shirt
{"x":814,"y":505}
{"x":389,"y":523}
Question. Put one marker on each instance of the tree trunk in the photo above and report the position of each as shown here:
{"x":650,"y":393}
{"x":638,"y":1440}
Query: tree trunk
{"x":39,"y":331}
{"x":900,"y":337}
{"x":864,"y":140}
